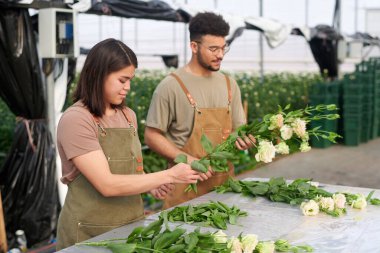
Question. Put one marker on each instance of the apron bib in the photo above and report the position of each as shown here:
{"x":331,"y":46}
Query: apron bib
{"x":86,"y":213}
{"x":216,"y":124}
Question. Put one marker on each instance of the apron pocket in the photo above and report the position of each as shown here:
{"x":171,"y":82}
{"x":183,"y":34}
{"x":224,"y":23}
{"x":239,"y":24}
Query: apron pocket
{"x":213,"y":134}
{"x":123,"y":166}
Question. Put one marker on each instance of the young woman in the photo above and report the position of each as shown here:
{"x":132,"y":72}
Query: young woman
{"x":101,"y":152}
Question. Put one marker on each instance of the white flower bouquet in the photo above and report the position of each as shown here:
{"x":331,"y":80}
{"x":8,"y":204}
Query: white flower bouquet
{"x":281,"y":133}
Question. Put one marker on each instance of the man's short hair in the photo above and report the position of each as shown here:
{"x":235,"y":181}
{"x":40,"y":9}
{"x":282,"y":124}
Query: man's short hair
{"x":207,"y":23}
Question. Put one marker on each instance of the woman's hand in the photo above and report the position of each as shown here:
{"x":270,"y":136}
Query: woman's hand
{"x":162,"y":191}
{"x":183,"y":174}
{"x":245,"y":143}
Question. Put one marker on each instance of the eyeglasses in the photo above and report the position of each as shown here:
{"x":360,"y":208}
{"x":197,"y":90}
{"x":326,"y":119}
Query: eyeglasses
{"x":216,"y":50}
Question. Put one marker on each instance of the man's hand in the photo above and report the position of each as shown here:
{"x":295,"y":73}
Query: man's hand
{"x":245,"y":143}
{"x":162,"y":191}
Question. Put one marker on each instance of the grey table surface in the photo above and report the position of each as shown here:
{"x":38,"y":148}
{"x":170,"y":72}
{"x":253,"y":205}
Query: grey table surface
{"x":357,"y":231}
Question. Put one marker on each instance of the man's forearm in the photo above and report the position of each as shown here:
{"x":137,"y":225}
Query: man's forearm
{"x":157,"y":142}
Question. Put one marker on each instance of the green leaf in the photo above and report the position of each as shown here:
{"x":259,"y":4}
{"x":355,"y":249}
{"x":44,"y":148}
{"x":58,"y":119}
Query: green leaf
{"x":260,"y":189}
{"x":206,"y":144}
{"x":375,"y":202}
{"x":121,"y":247}
{"x":135,"y":233}
{"x":181,"y":158}
{"x":221,"y":155}
{"x":368,"y":198}
{"x":205,"y":162}
{"x":198,"y":166}
{"x":232,"y":219}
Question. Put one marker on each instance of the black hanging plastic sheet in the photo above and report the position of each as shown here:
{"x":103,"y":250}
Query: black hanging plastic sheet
{"x":323,"y":45}
{"x":27,"y":177}
{"x":157,"y":10}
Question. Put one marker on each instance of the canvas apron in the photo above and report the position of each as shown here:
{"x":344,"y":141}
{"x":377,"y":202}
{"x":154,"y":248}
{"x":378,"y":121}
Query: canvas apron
{"x":216,"y":124}
{"x":86,"y":213}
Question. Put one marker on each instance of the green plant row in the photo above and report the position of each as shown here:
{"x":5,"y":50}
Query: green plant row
{"x":261,"y":98}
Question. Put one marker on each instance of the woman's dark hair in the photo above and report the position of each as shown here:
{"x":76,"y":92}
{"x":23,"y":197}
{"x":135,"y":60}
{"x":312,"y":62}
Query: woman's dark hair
{"x":207,"y":23}
{"x":104,"y":58}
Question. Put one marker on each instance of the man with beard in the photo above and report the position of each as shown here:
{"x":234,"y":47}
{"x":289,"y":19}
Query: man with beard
{"x":195,"y":100}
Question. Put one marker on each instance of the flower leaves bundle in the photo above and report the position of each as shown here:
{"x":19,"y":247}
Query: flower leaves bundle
{"x":281,"y":133}
{"x":311,"y":198}
{"x":215,"y":214}
{"x":160,"y":239}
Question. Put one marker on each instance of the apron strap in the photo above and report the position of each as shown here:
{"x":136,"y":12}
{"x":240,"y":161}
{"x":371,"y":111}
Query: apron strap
{"x":128,"y":117}
{"x":97,"y":122}
{"x":188,"y":95}
{"x":228,"y":89}
{"x":191,"y":99}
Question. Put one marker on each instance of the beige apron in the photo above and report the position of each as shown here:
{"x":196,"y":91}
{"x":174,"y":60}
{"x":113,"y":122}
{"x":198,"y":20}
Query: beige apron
{"x":86,"y":213}
{"x":216,"y":124}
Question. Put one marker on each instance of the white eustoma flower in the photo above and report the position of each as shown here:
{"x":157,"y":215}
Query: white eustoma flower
{"x":299,"y":127}
{"x":249,"y":243}
{"x":265,"y":152}
{"x":339,"y":200}
{"x":286,"y":132}
{"x":220,"y":237}
{"x":316,"y":184}
{"x":282,"y":148}
{"x":276,"y":121}
{"x":265,"y":247}
{"x":306,"y":137}
{"x":234,"y":245}
{"x":360,"y":202}
{"x":305,"y":147}
{"x":326,"y":203}
{"x":310,"y":208}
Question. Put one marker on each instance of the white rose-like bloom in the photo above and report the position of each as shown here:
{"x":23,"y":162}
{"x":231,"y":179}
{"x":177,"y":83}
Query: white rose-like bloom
{"x":220,"y":237}
{"x":360,"y":202}
{"x":235,"y":245}
{"x":282,"y":148}
{"x":310,"y":208}
{"x":299,"y":127}
{"x":249,"y":243}
{"x":265,"y":152}
{"x":306,"y":137}
{"x":327,"y":203}
{"x":339,"y":200}
{"x":265,"y":247}
{"x":286,"y":132}
{"x":276,"y":121}
{"x":316,"y":184}
{"x":305,"y":147}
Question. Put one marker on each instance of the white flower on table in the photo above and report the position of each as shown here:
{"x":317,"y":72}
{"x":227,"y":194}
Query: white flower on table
{"x":360,"y":202}
{"x":235,"y":245}
{"x":220,"y":237}
{"x":339,"y":200}
{"x":265,"y":152}
{"x":249,"y":243}
{"x":282,"y":148}
{"x":265,"y":247}
{"x":310,"y":208}
{"x":286,"y":132}
{"x":315,"y":184}
{"x":326,"y":203}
